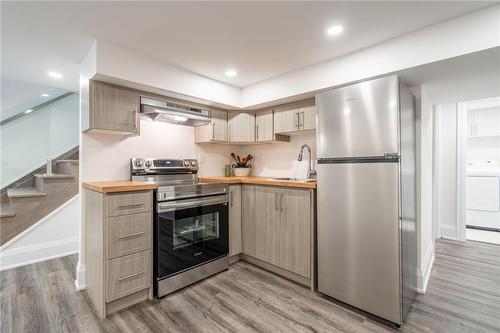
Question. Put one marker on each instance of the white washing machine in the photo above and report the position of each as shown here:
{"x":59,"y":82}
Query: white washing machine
{"x":482,"y":194}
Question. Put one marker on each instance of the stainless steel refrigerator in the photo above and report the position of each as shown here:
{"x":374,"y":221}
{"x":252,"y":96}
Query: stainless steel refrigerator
{"x":367,"y":238}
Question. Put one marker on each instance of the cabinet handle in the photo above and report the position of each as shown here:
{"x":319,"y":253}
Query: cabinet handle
{"x":134,"y":112}
{"x":130,"y":276}
{"x":213,"y":130}
{"x":302,"y":122}
{"x":131,"y":235}
{"x":231,"y":199}
{"x":276,"y":202}
{"x":295,"y":120}
{"x":281,"y":203}
{"x":257,"y":133}
{"x":130,"y":205}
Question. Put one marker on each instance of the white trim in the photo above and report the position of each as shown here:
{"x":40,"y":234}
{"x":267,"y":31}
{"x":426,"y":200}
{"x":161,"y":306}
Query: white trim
{"x":424,"y":275}
{"x":5,"y":246}
{"x":26,"y":255}
{"x":80,"y":281}
{"x":436,"y":223}
{"x":461,"y":148}
{"x":449,"y":231}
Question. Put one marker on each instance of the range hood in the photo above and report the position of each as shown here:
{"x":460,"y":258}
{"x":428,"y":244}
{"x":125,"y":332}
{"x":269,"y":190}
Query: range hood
{"x":174,"y":113}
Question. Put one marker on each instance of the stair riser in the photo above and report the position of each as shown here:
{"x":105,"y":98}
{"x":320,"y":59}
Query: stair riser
{"x":67,"y":168}
{"x":49,"y":185}
{"x":25,"y":201}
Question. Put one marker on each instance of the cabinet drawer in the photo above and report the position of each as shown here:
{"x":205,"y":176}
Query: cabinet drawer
{"x":127,"y":275}
{"x":128,"y":203}
{"x":128,"y":234}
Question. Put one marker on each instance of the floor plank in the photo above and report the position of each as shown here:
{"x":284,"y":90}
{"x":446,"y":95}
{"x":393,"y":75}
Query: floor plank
{"x":463,"y":296}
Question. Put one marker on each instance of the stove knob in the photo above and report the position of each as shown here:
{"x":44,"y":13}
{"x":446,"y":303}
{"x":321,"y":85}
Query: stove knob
{"x":148,"y":163}
{"x":186,"y":163}
{"x":193,"y":163}
{"x":139,"y":163}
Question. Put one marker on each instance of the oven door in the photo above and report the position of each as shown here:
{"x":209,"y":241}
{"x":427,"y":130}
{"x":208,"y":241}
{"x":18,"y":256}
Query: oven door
{"x":189,"y":233}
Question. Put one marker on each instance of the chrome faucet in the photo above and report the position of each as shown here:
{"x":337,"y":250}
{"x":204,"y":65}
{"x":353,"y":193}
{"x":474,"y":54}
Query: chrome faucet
{"x":311,"y":173}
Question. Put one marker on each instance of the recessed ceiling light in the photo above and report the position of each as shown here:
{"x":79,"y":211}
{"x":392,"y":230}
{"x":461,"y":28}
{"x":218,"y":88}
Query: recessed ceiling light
{"x":28,"y":111}
{"x":44,"y":95}
{"x":335,"y":30}
{"x":231,"y":73}
{"x":55,"y":75}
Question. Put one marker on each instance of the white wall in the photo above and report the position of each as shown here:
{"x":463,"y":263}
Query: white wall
{"x":280,"y":159}
{"x":424,"y":149}
{"x":484,"y":148}
{"x":107,"y":157}
{"x":52,"y":237}
{"x":447,"y":170}
{"x":27,"y":142}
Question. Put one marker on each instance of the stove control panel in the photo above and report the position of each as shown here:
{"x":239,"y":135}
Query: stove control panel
{"x":139,"y":164}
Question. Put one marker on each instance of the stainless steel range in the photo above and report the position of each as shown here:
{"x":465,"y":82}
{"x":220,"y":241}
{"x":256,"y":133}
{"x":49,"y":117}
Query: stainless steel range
{"x":191,"y":228}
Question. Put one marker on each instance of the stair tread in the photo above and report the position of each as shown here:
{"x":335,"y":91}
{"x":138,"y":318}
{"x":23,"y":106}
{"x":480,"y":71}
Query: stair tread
{"x":22,"y":192}
{"x":68,"y":161}
{"x":54,"y":175}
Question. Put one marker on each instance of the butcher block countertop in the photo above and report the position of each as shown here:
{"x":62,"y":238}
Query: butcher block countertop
{"x":118,"y":186}
{"x":259,"y":181}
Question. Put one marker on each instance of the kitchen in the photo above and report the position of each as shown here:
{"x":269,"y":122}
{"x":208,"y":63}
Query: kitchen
{"x":208,"y":207}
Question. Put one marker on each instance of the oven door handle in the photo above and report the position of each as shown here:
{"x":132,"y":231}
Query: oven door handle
{"x":198,"y":202}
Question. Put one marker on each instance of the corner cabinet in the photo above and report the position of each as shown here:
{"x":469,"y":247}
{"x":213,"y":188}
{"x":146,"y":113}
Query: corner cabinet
{"x":277,"y":229}
{"x":118,"y":248}
{"x":241,"y":126}
{"x":113,"y":110}
{"x":295,"y":118}
{"x":215,"y":131}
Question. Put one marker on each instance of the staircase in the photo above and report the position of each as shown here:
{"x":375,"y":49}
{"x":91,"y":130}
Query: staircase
{"x":37,"y":195}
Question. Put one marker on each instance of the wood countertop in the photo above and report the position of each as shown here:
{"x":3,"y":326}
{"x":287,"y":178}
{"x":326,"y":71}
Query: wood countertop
{"x":118,"y":186}
{"x":259,"y":181}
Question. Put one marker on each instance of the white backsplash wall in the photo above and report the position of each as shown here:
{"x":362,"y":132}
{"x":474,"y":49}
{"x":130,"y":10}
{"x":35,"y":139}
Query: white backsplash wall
{"x":280,"y":159}
{"x":107,"y":157}
{"x":484,"y":148}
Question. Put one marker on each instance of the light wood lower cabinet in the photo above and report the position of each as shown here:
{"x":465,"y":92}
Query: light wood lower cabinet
{"x":118,"y":260}
{"x":234,"y":220}
{"x":276,"y":227}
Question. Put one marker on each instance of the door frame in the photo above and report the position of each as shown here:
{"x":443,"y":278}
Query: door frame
{"x":460,"y":167}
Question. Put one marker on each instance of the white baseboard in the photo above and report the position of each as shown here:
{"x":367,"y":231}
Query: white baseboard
{"x":449,"y":231}
{"x":11,"y":258}
{"x":80,"y":282}
{"x":423,"y":274}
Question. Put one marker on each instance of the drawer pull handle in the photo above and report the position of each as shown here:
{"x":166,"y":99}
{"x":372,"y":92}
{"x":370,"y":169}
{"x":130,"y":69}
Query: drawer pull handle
{"x":130,"y":276}
{"x":131,"y":235}
{"x":131,"y":205}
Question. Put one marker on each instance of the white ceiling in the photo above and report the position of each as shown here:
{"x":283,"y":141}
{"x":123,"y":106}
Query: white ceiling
{"x":260,"y":39}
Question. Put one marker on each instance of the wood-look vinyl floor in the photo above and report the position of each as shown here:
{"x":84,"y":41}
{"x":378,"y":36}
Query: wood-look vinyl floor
{"x":463,"y":296}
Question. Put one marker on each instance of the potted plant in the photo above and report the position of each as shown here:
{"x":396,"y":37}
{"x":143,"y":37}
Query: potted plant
{"x":241,"y":167}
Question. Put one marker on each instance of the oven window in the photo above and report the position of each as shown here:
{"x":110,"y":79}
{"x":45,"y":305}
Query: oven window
{"x":194,"y":229}
{"x":189,"y":237}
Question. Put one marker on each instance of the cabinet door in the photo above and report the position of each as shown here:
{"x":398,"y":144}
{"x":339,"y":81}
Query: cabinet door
{"x":267,"y":230}
{"x":248,"y":223}
{"x":286,"y":119}
{"x":234,"y":220}
{"x":486,"y":121}
{"x":114,"y":109}
{"x":219,"y":125}
{"x":308,"y":117}
{"x":295,"y":231}
{"x":264,"y":126}
{"x":241,"y":126}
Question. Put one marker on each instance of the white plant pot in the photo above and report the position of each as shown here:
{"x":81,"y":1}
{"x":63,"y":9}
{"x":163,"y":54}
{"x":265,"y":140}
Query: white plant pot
{"x":241,"y":172}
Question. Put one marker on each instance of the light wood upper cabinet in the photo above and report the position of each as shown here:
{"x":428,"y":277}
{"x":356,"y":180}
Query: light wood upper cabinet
{"x":235,"y":239}
{"x":215,"y":131}
{"x":295,"y":118}
{"x":286,"y":119}
{"x":113,"y":110}
{"x":241,"y":126}
{"x":308,"y":116}
{"x":264,"y":126}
